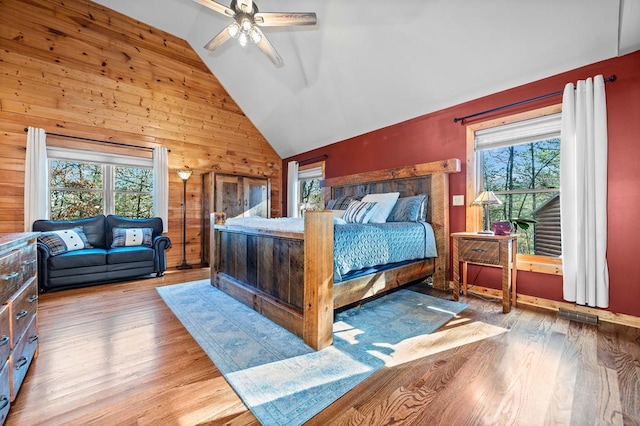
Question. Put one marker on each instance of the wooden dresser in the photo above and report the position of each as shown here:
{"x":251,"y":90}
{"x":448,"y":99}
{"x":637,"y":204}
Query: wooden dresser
{"x":19,"y":304}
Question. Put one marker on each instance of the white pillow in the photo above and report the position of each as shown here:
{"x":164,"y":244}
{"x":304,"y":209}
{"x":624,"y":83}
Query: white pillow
{"x":338,"y":213}
{"x":385,"y":205}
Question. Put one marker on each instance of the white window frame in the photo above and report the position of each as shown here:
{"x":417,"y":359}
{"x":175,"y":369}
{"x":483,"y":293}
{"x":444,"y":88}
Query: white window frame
{"x":308,"y":172}
{"x":108,"y":161}
{"x":535,"y":263}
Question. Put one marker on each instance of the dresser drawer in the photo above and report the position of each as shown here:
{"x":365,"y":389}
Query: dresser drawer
{"x":479,"y":251}
{"x":22,"y":356}
{"x":28,"y":261}
{"x":23,"y":307}
{"x":5,"y":391}
{"x":10,"y":274}
{"x":5,"y":333}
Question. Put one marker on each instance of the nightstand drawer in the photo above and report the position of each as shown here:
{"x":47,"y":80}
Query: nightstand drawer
{"x":479,"y":251}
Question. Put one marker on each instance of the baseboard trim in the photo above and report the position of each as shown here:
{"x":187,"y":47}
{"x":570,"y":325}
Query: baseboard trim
{"x":554,"y":305}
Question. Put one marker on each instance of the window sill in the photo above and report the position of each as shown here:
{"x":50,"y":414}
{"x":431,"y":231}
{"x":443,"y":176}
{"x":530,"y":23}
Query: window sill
{"x":542,"y":265}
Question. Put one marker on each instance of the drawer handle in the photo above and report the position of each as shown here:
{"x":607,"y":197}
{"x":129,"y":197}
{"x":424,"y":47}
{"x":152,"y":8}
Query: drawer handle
{"x":22,"y":314}
{"x":33,"y":298}
{"x":11,"y":276}
{"x":3,"y":341}
{"x":21,"y":362}
{"x":4,"y":401}
{"x":478,"y":250}
{"x":33,"y":338}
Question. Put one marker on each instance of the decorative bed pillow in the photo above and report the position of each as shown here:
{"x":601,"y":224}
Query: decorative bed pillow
{"x":341,"y":203}
{"x":385,"y":205}
{"x":359,"y":212}
{"x":338,"y":213}
{"x":128,"y":237}
{"x":64,"y":240}
{"x":407,"y":209}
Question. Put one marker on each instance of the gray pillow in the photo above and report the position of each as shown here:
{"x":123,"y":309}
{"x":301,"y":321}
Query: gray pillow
{"x":342,"y":203}
{"x":408,"y":209}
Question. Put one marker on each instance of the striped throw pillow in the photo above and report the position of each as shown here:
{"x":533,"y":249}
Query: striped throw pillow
{"x":359,"y":212}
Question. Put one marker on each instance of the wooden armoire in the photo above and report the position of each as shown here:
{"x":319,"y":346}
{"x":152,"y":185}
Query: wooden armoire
{"x":236,"y":195}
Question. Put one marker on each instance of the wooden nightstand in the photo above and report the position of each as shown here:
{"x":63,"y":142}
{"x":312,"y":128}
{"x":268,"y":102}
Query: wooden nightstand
{"x":484,"y":249}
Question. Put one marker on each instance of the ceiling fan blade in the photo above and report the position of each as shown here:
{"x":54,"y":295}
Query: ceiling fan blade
{"x":281,"y":19}
{"x":220,"y":8}
{"x":245,"y":5}
{"x":220,"y":38}
{"x":269,"y":50}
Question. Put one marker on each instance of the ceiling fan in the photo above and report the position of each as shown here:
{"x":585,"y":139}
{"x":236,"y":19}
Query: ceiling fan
{"x":247,"y":20}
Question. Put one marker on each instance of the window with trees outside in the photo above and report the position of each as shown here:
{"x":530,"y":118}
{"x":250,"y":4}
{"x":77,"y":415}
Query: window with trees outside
{"x":310,"y":186}
{"x":519,"y":160}
{"x":83,"y":184}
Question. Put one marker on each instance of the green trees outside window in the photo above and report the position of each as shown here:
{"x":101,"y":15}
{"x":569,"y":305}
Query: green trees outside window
{"x":81,"y":189}
{"x":526,"y":178}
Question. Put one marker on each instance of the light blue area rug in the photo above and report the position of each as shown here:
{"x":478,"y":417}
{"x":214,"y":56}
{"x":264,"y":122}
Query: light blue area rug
{"x":282,"y":380}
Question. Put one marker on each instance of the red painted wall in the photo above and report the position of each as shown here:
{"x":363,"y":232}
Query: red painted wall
{"x":435,"y":137}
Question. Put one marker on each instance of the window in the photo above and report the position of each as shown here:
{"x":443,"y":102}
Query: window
{"x":310,"y":187}
{"x":518,"y":158}
{"x":83,"y":183}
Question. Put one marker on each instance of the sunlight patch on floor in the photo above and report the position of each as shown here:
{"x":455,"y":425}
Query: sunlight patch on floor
{"x":428,"y":344}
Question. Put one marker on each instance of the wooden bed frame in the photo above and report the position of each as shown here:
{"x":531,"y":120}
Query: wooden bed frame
{"x":288,"y":276}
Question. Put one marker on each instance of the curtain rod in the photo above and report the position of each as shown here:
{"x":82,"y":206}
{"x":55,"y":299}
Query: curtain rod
{"x":314,"y":159}
{"x":98,"y":141}
{"x":455,"y":120}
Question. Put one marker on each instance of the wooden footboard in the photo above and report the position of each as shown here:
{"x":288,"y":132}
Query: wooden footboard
{"x":288,"y":276}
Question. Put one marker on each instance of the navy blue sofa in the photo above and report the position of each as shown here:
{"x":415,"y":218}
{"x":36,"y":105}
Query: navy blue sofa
{"x":101,"y":263}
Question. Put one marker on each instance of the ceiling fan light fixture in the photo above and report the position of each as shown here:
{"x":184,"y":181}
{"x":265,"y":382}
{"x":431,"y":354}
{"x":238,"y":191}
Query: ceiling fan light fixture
{"x":246,"y":25}
{"x":234,"y":30}
{"x":243,"y":39}
{"x":255,"y":35}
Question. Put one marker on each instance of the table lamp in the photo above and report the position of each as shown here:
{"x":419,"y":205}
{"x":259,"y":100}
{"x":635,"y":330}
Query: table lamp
{"x":485,"y":199}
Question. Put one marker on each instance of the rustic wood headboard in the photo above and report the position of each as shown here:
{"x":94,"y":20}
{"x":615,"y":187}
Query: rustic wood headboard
{"x":426,"y":178}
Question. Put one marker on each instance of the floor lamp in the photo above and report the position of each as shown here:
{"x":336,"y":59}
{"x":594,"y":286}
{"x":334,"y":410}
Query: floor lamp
{"x":184,"y":175}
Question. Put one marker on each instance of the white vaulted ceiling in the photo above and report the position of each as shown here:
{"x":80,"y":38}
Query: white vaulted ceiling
{"x":370,"y":64}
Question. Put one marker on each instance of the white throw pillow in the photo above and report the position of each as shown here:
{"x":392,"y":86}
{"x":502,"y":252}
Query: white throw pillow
{"x":385,"y":205}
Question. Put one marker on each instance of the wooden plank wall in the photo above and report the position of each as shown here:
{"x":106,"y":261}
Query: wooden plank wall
{"x":77,"y":68}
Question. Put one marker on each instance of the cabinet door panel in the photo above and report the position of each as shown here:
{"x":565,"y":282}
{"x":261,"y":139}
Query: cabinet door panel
{"x":228,"y":195}
{"x":256,"y":201}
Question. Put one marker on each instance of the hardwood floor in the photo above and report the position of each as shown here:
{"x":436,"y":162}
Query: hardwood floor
{"x":115,"y":354}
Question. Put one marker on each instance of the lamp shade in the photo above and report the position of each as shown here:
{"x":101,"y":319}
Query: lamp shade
{"x":184,"y":174}
{"x":486,"y":197}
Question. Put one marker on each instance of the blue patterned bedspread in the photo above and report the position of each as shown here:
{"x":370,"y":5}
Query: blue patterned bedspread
{"x":358,"y":246}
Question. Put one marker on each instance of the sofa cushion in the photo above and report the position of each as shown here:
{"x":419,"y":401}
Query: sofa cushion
{"x":79,"y":258}
{"x":113,"y":221}
{"x":93,"y":228}
{"x":65,"y":240}
{"x":127,"y":237}
{"x":129,"y":254}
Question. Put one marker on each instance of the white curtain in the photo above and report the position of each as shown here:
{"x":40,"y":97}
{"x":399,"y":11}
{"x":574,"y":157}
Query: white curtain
{"x":583,"y":193}
{"x":161,"y":185}
{"x":36,"y":178}
{"x":292,"y":189}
